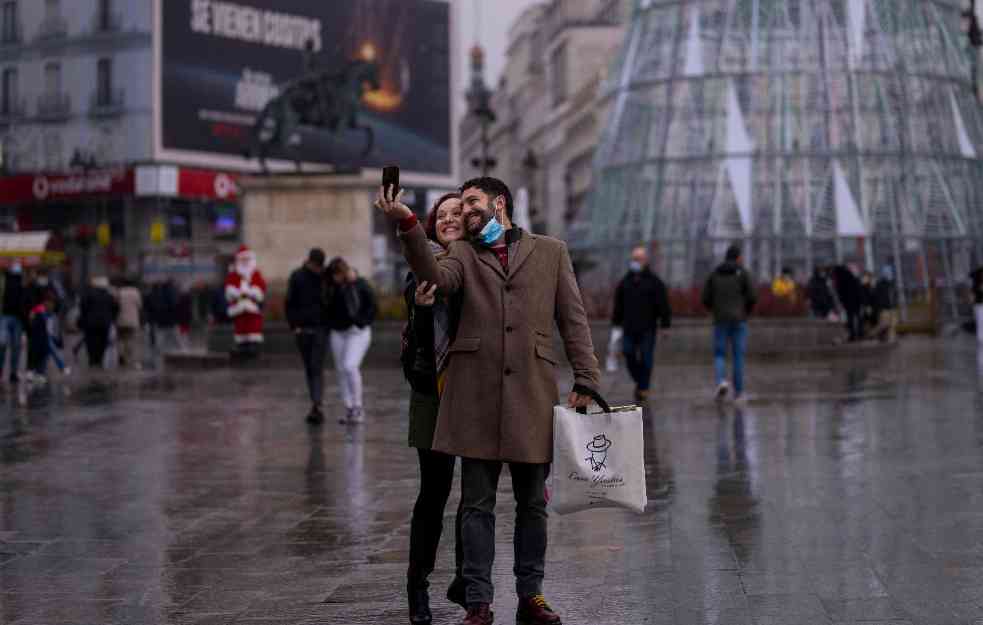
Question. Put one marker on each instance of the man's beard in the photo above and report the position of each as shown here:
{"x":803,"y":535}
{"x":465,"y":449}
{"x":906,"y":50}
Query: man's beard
{"x":475,"y":230}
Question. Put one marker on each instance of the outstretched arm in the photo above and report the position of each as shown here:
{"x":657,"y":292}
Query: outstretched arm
{"x":447,"y":274}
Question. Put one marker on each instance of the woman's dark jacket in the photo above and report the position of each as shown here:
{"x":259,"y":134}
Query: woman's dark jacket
{"x":350,"y":304}
{"x":419,"y":363}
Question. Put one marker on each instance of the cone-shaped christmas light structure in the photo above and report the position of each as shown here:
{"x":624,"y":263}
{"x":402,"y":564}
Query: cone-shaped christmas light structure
{"x":812,"y":131}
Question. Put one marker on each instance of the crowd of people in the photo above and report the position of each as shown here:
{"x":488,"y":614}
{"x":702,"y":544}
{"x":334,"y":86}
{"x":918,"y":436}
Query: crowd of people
{"x":41,"y":313}
{"x":868,"y":305}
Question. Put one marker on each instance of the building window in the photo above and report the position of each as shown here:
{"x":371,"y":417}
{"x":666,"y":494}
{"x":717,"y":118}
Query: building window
{"x":104,"y":16}
{"x":9,"y":31}
{"x":52,"y":78}
{"x":104,"y":82}
{"x":8,"y":97}
{"x":558,"y":74}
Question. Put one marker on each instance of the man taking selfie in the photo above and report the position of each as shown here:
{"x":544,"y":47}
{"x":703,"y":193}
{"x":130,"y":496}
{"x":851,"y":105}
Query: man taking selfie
{"x":497,"y":405}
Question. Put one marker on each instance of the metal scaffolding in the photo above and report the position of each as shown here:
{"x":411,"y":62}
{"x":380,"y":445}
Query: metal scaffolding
{"x":813,"y":131}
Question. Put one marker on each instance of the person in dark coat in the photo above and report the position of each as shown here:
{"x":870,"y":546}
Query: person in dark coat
{"x":976,"y":279}
{"x":886,"y":305}
{"x":820,"y":297}
{"x":304,"y":307}
{"x":851,"y":294}
{"x":641,"y":307}
{"x":14,"y":320}
{"x":97,"y":313}
{"x":351,"y":307}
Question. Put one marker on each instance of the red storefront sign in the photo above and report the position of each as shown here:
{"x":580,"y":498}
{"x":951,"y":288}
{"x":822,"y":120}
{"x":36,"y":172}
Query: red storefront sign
{"x":186,"y":183}
{"x":46,"y":187}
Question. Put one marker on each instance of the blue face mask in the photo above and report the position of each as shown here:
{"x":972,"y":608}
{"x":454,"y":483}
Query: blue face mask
{"x":491,"y":232}
{"x":634,"y":266}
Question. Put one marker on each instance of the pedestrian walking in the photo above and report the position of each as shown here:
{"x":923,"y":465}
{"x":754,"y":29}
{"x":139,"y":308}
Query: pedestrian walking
{"x":977,"y":282}
{"x":851,"y":295}
{"x":162,"y":309}
{"x":886,"y":305}
{"x":97,"y":313}
{"x":432,"y":326}
{"x":351,"y":310}
{"x":820,"y":297}
{"x":641,"y":307}
{"x":500,"y":389}
{"x":40,"y":339}
{"x":305,"y":309}
{"x":729,"y":294}
{"x":13,"y":321}
{"x":129,"y":322}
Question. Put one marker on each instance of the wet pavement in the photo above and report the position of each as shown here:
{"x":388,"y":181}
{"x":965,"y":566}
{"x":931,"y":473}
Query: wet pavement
{"x":847,"y":492}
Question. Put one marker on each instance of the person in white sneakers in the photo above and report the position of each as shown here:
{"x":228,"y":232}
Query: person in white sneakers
{"x":729,"y":295}
{"x":351,"y":311}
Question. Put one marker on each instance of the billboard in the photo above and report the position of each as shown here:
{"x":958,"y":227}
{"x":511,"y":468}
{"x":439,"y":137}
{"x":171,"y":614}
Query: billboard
{"x":388,"y":61}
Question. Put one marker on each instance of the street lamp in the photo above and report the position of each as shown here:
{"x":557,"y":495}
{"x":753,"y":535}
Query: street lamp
{"x":971,"y":26}
{"x":479,"y":104}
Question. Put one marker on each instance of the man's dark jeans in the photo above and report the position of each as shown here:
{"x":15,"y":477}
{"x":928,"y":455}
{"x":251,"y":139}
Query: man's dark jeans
{"x":312,"y":343}
{"x":479,"y":486}
{"x":427,"y":524}
{"x":639,"y":350}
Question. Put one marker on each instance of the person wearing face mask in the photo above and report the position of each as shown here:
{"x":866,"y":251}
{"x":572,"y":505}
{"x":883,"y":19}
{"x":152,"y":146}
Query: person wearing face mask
{"x":14,"y":319}
{"x":500,"y":389}
{"x":430,"y":330}
{"x":641,"y":307}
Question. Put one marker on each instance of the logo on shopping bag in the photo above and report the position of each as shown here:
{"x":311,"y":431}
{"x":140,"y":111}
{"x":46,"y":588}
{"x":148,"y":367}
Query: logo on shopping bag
{"x":598,"y":448}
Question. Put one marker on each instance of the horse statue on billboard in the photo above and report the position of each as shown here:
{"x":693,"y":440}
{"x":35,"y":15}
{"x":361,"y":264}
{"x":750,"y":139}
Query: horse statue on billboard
{"x":321,"y":99}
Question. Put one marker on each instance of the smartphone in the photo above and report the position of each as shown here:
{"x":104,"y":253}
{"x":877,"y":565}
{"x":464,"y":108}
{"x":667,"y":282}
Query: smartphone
{"x":390,"y":180}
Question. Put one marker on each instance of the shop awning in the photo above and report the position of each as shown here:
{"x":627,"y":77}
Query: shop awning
{"x":30,"y":247}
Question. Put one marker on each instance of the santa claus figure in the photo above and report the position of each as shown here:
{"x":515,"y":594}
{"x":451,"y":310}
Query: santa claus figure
{"x":245,"y":290}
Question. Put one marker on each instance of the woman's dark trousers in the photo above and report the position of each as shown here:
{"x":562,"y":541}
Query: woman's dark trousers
{"x":436,"y":476}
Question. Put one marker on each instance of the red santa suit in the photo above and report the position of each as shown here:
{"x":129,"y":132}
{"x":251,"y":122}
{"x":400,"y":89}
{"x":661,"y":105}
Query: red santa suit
{"x":245,"y":290}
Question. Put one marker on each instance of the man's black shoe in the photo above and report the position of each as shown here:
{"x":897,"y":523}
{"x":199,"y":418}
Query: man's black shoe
{"x":457,"y":593}
{"x":419,"y":601}
{"x":315,"y":417}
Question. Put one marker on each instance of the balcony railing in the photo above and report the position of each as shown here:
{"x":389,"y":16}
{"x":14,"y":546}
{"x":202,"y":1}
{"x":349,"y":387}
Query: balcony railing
{"x":107,"y":104}
{"x":107,"y":22}
{"x":53,"y":107}
{"x":52,"y":28}
{"x":12,"y":111}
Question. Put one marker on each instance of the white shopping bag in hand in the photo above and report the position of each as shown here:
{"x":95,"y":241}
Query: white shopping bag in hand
{"x":598,"y":460}
{"x":614,"y":348}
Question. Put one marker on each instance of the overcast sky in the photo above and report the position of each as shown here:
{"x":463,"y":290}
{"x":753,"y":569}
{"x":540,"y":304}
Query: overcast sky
{"x":495,"y":18}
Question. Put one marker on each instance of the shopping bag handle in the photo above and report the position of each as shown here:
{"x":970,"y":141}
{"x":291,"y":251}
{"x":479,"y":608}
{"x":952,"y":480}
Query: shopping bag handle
{"x":597,"y":398}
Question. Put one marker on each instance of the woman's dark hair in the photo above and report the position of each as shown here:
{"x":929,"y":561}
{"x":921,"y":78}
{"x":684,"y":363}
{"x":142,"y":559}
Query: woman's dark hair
{"x":430,"y":227}
{"x":338,"y":265}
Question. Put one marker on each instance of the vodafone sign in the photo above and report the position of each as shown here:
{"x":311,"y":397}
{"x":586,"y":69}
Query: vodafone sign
{"x":144,"y":181}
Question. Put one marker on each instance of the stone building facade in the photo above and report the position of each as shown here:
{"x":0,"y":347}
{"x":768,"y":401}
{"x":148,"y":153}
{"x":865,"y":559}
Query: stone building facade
{"x":546,"y":103}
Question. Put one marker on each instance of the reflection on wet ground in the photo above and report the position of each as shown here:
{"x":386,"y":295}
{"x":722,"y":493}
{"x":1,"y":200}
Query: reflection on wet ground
{"x":844,"y":492}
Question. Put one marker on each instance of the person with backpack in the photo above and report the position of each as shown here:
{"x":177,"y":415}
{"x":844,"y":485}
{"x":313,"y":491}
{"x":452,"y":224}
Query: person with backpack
{"x":430,"y":330}
{"x":729,"y":295}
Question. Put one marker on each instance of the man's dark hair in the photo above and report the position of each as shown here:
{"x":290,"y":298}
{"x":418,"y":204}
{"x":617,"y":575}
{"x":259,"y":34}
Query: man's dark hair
{"x":316,"y":256}
{"x":492,"y":187}
{"x":733,"y":253}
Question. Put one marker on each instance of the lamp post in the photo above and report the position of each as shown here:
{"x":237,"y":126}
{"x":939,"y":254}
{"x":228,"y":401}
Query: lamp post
{"x":971,"y":26}
{"x":479,"y":105}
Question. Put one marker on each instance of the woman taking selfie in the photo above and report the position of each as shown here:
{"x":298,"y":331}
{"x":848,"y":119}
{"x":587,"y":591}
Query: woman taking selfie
{"x":351,"y":310}
{"x":430,"y":331}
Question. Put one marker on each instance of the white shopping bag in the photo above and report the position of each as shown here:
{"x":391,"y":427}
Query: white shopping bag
{"x":614,"y":348}
{"x":598,"y":460}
